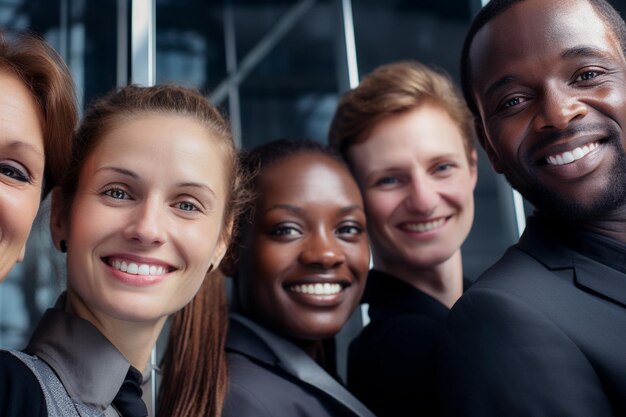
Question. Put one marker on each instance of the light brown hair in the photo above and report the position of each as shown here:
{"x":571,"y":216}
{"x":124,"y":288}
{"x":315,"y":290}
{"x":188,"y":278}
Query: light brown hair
{"x":393,"y":89}
{"x":47,"y":77}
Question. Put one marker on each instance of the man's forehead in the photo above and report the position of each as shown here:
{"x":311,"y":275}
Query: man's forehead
{"x":532,"y":28}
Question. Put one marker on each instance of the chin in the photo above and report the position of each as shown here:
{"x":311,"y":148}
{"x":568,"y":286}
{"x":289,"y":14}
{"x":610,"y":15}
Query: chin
{"x":314,"y":332}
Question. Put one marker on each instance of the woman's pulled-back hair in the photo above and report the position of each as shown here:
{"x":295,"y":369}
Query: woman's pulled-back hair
{"x":393,"y":89}
{"x":44,"y":73}
{"x":194,"y":364}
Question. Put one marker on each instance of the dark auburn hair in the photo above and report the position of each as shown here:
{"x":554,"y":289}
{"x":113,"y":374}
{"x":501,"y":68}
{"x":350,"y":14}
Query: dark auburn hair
{"x":48,"y":79}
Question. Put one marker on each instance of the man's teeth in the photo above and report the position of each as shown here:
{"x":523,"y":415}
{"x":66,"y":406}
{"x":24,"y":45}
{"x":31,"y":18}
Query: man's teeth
{"x":423,"y":227}
{"x":138,"y":269}
{"x":316,"y":289}
{"x":571,"y":156}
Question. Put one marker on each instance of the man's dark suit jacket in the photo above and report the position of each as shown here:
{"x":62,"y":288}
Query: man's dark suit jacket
{"x":542,"y":333}
{"x":270,"y":376}
{"x":392,"y":362}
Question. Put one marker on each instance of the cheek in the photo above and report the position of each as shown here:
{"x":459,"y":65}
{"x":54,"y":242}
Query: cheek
{"x":259,"y":272}
{"x":19,"y":213}
{"x":461,"y":193}
{"x":359,"y":259}
{"x":267,"y":259}
{"x":197,"y":243}
{"x":507,"y":137}
{"x":87,"y":222}
{"x":380,"y":205}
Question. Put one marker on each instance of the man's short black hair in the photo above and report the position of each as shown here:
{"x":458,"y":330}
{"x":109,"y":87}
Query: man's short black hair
{"x":495,"y":7}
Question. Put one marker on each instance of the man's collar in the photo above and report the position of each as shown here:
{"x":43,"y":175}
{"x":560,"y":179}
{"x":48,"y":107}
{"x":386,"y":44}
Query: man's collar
{"x":547,"y":243}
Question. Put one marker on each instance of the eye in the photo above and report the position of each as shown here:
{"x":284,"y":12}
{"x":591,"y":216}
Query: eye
{"x":386,"y":181}
{"x":186,"y":206}
{"x":588,"y":75}
{"x":15,"y":172}
{"x":116,"y":193}
{"x":513,"y":101}
{"x":445,"y":167}
{"x":350,"y":229}
{"x":285,"y":230}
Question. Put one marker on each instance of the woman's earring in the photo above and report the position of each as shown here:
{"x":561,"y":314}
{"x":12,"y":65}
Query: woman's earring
{"x":63,"y":245}
{"x":210,"y":268}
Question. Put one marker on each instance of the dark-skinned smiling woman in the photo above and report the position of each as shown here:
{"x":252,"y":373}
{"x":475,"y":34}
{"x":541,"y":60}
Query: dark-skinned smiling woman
{"x":300,"y":263}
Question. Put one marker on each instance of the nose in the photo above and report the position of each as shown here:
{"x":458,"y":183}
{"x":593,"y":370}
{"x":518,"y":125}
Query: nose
{"x":145,"y":225}
{"x":322,"y":251}
{"x":423,"y":195}
{"x":559,"y":108}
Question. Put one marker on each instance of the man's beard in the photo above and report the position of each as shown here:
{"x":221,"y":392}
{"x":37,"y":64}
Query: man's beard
{"x":611,"y":198}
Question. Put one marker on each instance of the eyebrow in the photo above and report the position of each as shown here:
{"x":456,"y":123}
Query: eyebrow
{"x":507,"y":79}
{"x":122,"y":171}
{"x":583,"y":51}
{"x":134,"y":176}
{"x":198,"y":185}
{"x":301,"y":211}
{"x":349,"y":209}
{"x":575,"y":52}
{"x":24,"y":145}
{"x":288,"y":207}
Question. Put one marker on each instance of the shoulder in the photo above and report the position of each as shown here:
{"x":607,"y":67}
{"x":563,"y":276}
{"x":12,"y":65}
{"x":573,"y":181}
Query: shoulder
{"x":504,"y":339}
{"x":20,"y":392}
{"x":263,"y":390}
{"x":409,"y":333}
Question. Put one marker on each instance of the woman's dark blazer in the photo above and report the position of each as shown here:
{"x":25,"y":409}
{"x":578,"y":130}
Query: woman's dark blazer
{"x":270,"y":376}
{"x":542,"y":333}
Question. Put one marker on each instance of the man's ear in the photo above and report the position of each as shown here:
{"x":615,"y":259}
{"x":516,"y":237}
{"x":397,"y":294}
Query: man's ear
{"x":486,"y":144}
{"x":58,"y":218}
{"x":474,"y":167}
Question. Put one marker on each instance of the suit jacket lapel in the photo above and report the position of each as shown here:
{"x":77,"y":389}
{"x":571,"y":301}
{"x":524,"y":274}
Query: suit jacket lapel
{"x":589,"y":275}
{"x":600,"y":279}
{"x":295,"y":361}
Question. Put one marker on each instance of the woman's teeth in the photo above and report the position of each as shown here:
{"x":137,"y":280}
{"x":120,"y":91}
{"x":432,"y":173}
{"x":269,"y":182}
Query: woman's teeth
{"x":316,"y":289}
{"x":138,"y":269}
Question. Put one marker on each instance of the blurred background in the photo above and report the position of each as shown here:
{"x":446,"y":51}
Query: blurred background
{"x":275,"y":67}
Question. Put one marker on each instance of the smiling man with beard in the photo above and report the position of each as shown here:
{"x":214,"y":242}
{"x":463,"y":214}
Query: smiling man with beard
{"x":542,"y":332}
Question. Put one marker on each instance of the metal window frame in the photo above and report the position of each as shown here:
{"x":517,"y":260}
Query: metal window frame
{"x":143,"y":72}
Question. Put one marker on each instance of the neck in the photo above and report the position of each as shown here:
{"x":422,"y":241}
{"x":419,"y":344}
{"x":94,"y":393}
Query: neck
{"x":612,"y":226}
{"x":443,"y":282}
{"x":134,"y":340}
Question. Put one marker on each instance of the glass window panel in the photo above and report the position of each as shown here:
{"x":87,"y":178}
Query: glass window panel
{"x":292,"y":92}
{"x":190,"y":43}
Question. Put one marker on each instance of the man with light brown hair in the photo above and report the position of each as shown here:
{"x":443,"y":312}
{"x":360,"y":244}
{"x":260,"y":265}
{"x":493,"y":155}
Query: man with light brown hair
{"x":408,"y":138}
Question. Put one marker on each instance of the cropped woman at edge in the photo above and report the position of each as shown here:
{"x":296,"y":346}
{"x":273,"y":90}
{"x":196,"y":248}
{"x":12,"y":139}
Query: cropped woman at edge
{"x":38,"y":116}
